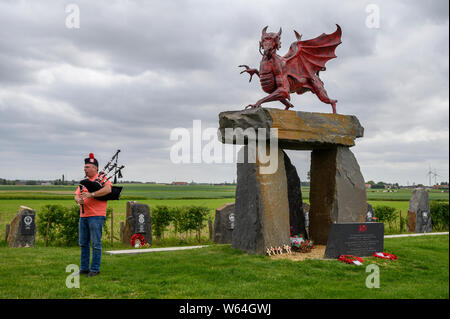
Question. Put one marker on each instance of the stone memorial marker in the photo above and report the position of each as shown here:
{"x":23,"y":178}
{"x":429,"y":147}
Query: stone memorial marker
{"x":419,"y":217}
{"x":22,"y":231}
{"x":358,"y":239}
{"x":138,"y":221}
{"x":224,"y":224}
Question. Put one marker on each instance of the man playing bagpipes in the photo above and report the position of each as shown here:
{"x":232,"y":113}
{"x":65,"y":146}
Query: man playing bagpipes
{"x":92,"y":195}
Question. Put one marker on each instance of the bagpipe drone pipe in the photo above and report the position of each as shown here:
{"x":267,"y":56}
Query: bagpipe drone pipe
{"x":110,"y":170}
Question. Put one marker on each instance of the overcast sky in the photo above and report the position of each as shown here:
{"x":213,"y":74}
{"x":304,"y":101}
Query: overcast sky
{"x":135,"y":70}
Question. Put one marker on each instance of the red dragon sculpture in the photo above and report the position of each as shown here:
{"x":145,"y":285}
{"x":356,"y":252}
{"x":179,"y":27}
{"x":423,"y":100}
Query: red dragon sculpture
{"x":297,"y":71}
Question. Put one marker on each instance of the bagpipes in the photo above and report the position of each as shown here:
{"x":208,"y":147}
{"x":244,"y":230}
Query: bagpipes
{"x":110,"y":170}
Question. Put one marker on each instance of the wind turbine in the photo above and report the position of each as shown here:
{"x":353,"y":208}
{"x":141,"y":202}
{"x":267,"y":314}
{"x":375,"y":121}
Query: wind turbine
{"x":431,"y":173}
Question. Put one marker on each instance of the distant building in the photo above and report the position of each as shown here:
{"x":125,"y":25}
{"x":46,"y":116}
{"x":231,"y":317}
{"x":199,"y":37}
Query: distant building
{"x":368,"y":186}
{"x":179,"y":183}
{"x":46,"y":183}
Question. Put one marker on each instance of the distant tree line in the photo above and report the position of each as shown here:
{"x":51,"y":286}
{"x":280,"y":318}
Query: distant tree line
{"x":382,"y":185}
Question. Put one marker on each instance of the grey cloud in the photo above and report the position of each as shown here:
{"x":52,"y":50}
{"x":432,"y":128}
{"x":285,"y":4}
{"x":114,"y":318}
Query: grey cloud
{"x":137,"y":69}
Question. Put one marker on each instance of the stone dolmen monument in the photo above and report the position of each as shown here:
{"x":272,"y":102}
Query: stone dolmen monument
{"x":265,"y":208}
{"x":268,"y":195}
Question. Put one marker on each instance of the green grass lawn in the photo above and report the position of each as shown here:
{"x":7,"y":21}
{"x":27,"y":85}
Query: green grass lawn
{"x":219,"y":271}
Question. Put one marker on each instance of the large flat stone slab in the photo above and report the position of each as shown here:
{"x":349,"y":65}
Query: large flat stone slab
{"x":296,"y":130}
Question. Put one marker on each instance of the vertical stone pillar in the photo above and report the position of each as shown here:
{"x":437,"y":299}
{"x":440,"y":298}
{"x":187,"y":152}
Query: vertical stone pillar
{"x":337,"y":193}
{"x":262,"y":206}
{"x":419,"y":216}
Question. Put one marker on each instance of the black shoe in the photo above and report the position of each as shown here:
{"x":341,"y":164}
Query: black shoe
{"x":82,"y":272}
{"x":93,"y":273}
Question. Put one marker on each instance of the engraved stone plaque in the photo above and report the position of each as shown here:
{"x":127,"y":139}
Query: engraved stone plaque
{"x":358,"y":239}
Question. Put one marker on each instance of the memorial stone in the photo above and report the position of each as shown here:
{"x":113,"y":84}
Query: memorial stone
{"x":138,"y":221}
{"x":224,"y":224}
{"x":419,"y":217}
{"x":358,"y":239}
{"x":22,"y":231}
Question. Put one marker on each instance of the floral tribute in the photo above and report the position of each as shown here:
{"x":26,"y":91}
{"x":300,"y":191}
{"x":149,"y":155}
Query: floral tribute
{"x":300,"y":244}
{"x":137,"y":240}
{"x":384,"y":255}
{"x":350,"y":259}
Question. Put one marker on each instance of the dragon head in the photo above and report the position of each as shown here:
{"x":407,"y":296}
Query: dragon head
{"x":270,"y":42}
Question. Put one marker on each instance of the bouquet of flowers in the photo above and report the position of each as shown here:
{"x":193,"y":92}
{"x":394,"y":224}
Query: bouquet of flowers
{"x":297,"y":240}
{"x":306,"y":246}
{"x":300,"y":244}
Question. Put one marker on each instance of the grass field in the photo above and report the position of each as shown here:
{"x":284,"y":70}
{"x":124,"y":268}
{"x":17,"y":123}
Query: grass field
{"x":211,"y":196}
{"x":159,"y":191}
{"x":219,"y":271}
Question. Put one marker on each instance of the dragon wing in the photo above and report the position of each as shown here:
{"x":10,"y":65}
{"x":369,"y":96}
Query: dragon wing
{"x":307,"y":58}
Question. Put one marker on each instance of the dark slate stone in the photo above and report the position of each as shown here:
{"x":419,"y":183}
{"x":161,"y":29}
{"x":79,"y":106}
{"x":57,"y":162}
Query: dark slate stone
{"x":27,"y":225}
{"x":350,"y":199}
{"x":224,"y":224}
{"x":139,"y":220}
{"x":296,"y":215}
{"x":358,"y":239}
{"x":420,"y":205}
{"x":247,"y":234}
{"x":337,"y":192}
{"x":22,"y":231}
